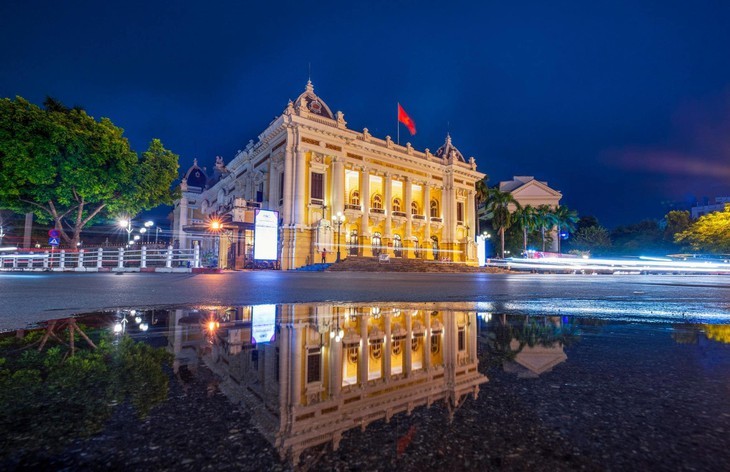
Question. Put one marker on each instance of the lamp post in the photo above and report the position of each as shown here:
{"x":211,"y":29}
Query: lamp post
{"x":127,"y":225}
{"x":147,"y":226}
{"x":339,"y":219}
{"x":157,"y":232}
{"x":216,"y":226}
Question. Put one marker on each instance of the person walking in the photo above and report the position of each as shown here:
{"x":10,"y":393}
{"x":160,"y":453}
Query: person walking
{"x":324,"y":255}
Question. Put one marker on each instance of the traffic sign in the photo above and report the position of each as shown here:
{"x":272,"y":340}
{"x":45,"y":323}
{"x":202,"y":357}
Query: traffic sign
{"x":53,"y":241}
{"x":53,"y":233}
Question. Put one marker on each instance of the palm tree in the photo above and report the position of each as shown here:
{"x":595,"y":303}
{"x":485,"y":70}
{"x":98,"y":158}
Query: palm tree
{"x":545,"y":221}
{"x":482,"y":192}
{"x":566,"y":219}
{"x":498,"y":210}
{"x":527,"y":219}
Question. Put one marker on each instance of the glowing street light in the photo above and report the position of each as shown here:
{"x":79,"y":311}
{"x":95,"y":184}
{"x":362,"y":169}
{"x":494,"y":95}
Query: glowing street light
{"x":127,"y":225}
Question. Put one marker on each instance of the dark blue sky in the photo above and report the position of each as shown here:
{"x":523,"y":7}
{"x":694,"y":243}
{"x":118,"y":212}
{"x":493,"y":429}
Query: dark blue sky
{"x":620,"y":106}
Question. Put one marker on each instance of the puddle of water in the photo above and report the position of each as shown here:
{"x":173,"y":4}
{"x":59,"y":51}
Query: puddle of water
{"x":372,"y":386}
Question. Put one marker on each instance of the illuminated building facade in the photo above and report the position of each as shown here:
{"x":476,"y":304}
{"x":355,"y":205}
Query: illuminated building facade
{"x":308,"y":373}
{"x":308,"y":166}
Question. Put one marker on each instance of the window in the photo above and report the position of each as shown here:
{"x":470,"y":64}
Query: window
{"x":354,"y":243}
{"x":462,"y":338}
{"x":414,"y":209}
{"x":397,"y":246}
{"x":434,"y":209}
{"x":377,"y":244}
{"x":317,"y":187}
{"x":260,"y":192}
{"x":376,"y":349}
{"x":281,"y":188}
{"x":416,"y":249}
{"x":459,"y":212}
{"x":377,"y":203}
{"x":355,"y":197}
{"x":396,"y":204}
{"x":314,"y":365}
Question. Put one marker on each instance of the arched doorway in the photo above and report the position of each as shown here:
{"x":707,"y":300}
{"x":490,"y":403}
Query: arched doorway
{"x":353,"y":243}
{"x":416,"y":249}
{"x":377,"y":244}
{"x":397,"y":246}
{"x":435,"y":247}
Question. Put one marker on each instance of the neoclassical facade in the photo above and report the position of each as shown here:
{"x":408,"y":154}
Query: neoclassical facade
{"x":309,"y":166}
{"x":321,"y":370}
{"x":527,"y":190}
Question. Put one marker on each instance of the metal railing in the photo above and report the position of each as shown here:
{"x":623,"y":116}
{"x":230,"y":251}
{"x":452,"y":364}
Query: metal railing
{"x":104,"y":259}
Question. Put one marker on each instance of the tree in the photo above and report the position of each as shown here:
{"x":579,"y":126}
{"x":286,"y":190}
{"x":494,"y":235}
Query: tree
{"x":566,"y":219}
{"x":709,"y":233}
{"x":69,"y":169}
{"x":676,"y":221}
{"x":592,"y":238}
{"x":480,"y":196}
{"x":527,"y":220}
{"x":545,"y":220}
{"x":498,"y":211}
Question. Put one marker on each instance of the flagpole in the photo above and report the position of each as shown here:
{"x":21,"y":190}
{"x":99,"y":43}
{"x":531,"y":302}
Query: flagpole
{"x":397,"y":122}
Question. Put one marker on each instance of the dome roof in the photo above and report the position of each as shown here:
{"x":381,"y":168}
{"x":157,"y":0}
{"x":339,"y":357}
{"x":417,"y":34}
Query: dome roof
{"x":195,"y":176}
{"x":445,"y":151}
{"x":314,"y":103}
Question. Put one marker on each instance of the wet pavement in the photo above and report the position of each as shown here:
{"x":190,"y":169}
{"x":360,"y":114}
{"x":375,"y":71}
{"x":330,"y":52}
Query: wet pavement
{"x":467,"y":386}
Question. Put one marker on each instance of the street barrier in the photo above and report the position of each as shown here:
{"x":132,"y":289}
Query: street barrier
{"x":144,"y":259}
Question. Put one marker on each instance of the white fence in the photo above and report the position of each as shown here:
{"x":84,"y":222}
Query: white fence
{"x":105,"y":260}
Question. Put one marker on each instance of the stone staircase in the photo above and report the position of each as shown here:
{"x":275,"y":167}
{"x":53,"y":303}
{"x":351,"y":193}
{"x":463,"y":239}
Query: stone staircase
{"x":314,"y":268}
{"x":372,"y":264}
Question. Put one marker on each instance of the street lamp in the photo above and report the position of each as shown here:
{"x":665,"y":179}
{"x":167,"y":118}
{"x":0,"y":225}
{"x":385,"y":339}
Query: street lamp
{"x":216,"y":226}
{"x":147,"y":225}
{"x":157,"y":232}
{"x":338,"y":220}
{"x":127,"y":225}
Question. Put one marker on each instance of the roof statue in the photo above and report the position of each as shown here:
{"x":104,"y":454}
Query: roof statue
{"x":313,"y":103}
{"x":448,"y":150}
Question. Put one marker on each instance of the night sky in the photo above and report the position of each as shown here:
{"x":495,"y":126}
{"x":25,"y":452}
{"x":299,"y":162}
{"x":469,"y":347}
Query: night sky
{"x":621,"y":106}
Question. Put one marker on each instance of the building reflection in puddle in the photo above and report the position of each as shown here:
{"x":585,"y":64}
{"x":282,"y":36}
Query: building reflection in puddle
{"x":308,"y":373}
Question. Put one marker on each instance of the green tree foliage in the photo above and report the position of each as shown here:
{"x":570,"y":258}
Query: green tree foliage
{"x":639,"y":238}
{"x":710,"y":233}
{"x":526,"y":219}
{"x":595,"y":239}
{"x":566,"y":219}
{"x":480,"y":196}
{"x":498,"y":211}
{"x":47,"y":398}
{"x":675,"y":222}
{"x":545,"y":221}
{"x":68,"y":169}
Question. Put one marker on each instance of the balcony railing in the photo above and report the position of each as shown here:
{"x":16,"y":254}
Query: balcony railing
{"x":350,"y":206}
{"x":377,"y":210}
{"x":435,"y":219}
{"x":419,"y":217}
{"x":402,"y":214}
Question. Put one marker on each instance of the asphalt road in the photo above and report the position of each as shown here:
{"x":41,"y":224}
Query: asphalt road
{"x":31,"y":297}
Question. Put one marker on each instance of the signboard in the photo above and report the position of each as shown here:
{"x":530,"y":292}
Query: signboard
{"x":263,"y":323}
{"x":53,"y":241}
{"x":53,"y":233}
{"x":266,"y":236}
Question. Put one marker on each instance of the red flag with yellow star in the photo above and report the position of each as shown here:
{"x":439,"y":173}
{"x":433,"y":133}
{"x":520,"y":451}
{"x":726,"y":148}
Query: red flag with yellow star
{"x":406,"y":120}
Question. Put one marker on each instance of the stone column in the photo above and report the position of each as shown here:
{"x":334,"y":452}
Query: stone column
{"x":427,"y":209}
{"x":298,"y":363}
{"x":287,"y":193}
{"x":388,"y":206}
{"x":409,"y":199}
{"x":338,"y":186}
{"x":363,"y":355}
{"x":365,"y":202}
{"x":408,"y":352}
{"x":388,"y":349}
{"x":299,"y":186}
{"x":471,"y":332}
{"x":335,"y":367}
{"x":427,"y":341}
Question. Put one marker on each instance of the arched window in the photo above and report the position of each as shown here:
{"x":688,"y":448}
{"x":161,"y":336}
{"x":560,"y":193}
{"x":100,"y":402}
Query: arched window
{"x":377,"y":244}
{"x":434,"y":209}
{"x":354,"y":243}
{"x":397,"y":246}
{"x":377,"y":202}
{"x":396,"y":204}
{"x":355,"y":197}
{"x":415,"y":209}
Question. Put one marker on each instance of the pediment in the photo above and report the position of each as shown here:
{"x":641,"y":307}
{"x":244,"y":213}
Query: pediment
{"x":536,"y":189}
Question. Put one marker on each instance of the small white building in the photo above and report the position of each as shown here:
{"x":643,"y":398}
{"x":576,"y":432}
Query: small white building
{"x":529,"y":191}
